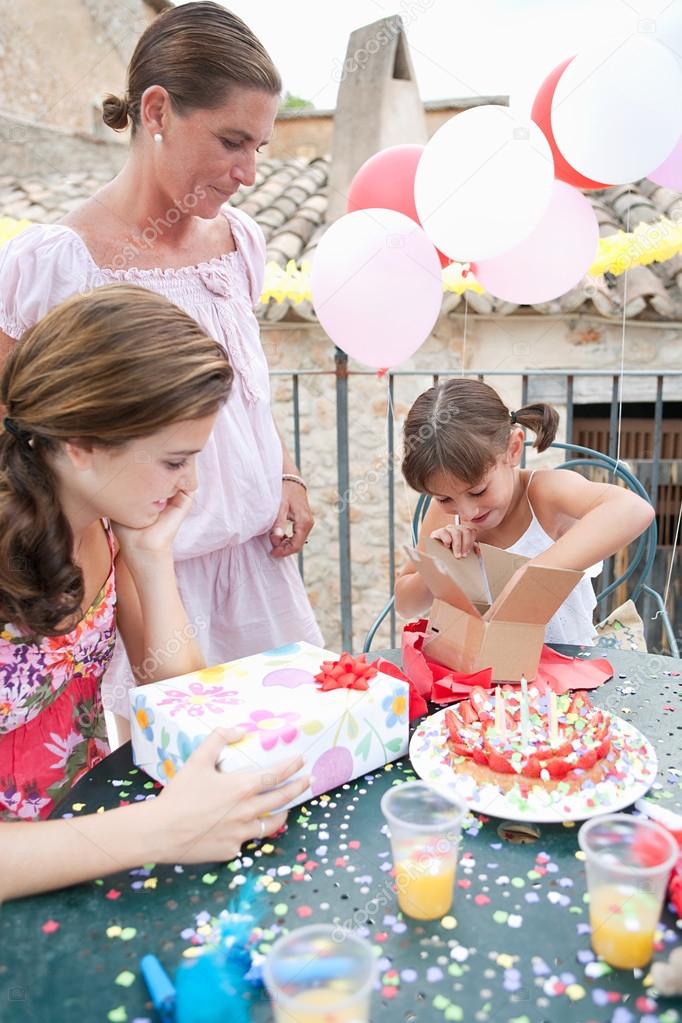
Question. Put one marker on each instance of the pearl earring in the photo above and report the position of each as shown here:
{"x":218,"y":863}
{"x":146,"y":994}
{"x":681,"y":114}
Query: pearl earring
{"x":158,"y":137}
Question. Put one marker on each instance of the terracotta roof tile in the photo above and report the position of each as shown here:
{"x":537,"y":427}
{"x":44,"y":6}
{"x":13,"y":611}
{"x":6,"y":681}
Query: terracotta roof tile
{"x":289,"y":200}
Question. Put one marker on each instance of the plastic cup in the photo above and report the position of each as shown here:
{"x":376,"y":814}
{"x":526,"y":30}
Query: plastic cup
{"x":628,"y":861}
{"x":320,"y":974}
{"x":425,"y":829}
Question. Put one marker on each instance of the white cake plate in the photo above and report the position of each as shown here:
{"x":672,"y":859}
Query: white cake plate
{"x":634,"y":758}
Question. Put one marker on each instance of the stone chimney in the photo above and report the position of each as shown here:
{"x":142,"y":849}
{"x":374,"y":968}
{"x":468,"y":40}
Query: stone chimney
{"x":378,"y":104}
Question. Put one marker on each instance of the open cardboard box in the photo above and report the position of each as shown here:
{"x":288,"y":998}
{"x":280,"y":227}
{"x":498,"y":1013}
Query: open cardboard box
{"x":489,"y":610}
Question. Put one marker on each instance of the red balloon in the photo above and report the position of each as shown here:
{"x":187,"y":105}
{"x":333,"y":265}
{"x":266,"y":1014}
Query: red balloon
{"x":386,"y":181}
{"x":444,"y":260}
{"x":542,"y":115}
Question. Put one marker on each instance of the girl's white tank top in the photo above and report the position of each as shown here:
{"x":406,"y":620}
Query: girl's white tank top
{"x":573,"y":622}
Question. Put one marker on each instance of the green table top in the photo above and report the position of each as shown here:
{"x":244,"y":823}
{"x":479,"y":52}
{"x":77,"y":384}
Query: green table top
{"x":516,"y":948}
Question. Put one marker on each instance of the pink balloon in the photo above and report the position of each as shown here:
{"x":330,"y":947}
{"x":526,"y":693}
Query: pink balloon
{"x":669,"y":173}
{"x":552,"y":259}
{"x":377,"y":286}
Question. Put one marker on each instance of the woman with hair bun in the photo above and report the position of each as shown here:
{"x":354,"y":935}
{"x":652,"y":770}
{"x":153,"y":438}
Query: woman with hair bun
{"x":109,"y":399}
{"x":201,"y":99}
{"x":463,"y":447}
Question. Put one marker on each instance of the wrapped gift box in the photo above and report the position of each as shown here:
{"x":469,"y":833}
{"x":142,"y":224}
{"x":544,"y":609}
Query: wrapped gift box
{"x":274,"y":699}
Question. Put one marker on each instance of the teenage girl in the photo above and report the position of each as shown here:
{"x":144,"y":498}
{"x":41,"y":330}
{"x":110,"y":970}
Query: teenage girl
{"x":109,"y":399}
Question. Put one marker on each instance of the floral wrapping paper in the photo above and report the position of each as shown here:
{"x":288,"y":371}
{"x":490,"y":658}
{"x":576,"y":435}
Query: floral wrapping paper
{"x":274,"y":699}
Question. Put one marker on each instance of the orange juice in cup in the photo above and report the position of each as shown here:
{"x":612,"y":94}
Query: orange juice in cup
{"x":425,"y":892}
{"x":628,"y":861}
{"x":623,"y":921}
{"x":320,"y":974}
{"x":425,"y":829}
{"x":319,"y":1006}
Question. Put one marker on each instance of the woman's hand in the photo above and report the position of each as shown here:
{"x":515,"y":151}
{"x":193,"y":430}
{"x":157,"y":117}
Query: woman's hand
{"x":158,"y":537}
{"x":459,"y":537}
{"x":204,"y":814}
{"x":294,"y":508}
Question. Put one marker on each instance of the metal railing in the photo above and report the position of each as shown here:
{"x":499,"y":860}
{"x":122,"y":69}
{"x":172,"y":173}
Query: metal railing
{"x":342,"y":376}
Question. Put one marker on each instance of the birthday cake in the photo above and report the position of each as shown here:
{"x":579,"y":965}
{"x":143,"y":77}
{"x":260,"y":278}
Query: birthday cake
{"x":556,"y":742}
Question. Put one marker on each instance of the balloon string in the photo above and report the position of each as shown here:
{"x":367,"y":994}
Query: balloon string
{"x":621,"y":376}
{"x":464,"y":339}
{"x":666,"y":592}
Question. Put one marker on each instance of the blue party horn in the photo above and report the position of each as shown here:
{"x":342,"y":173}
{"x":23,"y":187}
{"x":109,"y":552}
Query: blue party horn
{"x":160,"y":987}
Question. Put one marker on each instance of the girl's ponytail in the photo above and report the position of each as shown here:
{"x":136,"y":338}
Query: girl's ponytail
{"x":542,"y":419}
{"x":40,"y":586}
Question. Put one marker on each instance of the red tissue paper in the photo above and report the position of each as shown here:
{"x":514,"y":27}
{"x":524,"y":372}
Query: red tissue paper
{"x":418,"y":705}
{"x":443,"y":685}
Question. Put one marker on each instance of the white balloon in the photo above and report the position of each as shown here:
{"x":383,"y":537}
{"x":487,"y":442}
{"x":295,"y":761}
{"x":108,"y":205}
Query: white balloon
{"x":666,"y":23}
{"x":483,"y":182}
{"x":617,"y":109}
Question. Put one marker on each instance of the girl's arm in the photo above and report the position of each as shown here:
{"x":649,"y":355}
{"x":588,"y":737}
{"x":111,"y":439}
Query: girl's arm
{"x":595,"y":519}
{"x":159,"y":640}
{"x":413,"y":598}
{"x":201,"y":816}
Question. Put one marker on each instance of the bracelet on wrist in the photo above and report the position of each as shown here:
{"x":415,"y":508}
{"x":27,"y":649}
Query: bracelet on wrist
{"x":290,"y":477}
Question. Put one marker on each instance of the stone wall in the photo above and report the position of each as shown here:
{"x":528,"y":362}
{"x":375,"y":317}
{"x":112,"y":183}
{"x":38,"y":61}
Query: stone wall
{"x":56,"y":61}
{"x":30,"y":150}
{"x":510,"y":344}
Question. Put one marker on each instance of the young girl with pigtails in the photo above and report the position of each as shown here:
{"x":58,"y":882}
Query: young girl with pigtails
{"x":463,"y":447}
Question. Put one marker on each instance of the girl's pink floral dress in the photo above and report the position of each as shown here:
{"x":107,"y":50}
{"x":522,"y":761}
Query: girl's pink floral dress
{"x":51,"y":716}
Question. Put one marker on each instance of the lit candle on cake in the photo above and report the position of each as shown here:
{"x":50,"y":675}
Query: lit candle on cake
{"x":500,"y":713}
{"x":524,"y":710}
{"x":553,"y":722}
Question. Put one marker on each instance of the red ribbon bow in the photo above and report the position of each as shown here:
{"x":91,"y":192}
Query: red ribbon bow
{"x":346,"y":673}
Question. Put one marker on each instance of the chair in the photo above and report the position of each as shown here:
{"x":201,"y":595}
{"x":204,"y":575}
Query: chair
{"x":642,"y":559}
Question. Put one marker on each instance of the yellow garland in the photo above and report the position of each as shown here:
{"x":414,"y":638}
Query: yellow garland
{"x":648,"y":243}
{"x":292,"y":283}
{"x":9,"y":228}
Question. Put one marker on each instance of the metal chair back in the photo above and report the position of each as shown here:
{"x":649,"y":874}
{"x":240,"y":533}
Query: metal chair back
{"x":640,"y":563}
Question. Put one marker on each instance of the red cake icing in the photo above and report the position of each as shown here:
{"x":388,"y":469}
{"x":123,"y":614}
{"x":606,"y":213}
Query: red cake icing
{"x":581,"y":749}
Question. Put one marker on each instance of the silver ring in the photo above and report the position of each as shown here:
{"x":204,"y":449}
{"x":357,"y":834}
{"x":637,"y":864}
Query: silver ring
{"x":262,"y":827}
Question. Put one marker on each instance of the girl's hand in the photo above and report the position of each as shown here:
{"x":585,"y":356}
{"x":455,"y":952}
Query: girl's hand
{"x":205,"y":815}
{"x":459,"y":537}
{"x":158,"y":537}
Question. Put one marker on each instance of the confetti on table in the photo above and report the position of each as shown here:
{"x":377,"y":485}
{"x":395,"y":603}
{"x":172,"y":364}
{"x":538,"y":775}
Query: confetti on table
{"x":335,"y":868}
{"x":125,"y":978}
{"x":50,"y":926}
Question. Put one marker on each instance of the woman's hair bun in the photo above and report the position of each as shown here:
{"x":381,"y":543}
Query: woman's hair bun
{"x":115,"y":112}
